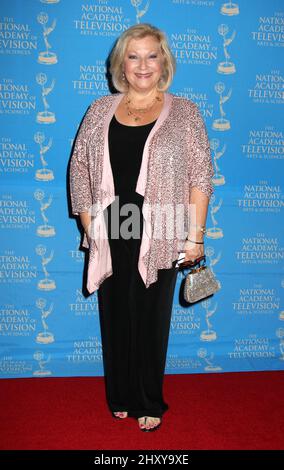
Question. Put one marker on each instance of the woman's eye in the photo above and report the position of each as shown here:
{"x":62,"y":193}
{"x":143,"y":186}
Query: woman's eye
{"x":153,"y":56}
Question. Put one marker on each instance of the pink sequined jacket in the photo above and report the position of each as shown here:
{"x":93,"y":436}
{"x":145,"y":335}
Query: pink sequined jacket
{"x":176,"y":157}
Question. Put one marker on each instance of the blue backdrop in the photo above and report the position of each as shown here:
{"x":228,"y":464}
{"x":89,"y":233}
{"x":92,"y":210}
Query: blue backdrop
{"x":230,"y":62}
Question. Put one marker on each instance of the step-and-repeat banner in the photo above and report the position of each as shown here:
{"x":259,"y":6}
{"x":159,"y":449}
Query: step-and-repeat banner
{"x":53,"y":63}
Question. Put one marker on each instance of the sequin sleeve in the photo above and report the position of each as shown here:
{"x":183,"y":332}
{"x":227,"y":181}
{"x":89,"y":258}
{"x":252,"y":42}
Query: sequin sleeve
{"x":80,"y":185}
{"x":200,"y":165}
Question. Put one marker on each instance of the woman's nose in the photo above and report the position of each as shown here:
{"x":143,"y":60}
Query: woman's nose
{"x":142,"y":64}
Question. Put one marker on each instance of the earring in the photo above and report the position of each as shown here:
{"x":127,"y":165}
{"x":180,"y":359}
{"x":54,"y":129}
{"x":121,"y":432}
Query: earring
{"x":123,"y":76}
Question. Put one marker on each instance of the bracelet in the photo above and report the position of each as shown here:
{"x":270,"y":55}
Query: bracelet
{"x":201,"y":227}
{"x":199,"y":243}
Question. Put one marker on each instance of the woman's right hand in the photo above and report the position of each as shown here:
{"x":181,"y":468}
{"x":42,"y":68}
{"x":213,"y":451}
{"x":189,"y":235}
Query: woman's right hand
{"x":193,"y":251}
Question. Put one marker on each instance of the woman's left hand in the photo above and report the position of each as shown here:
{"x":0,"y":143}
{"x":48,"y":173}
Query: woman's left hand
{"x":193,"y":251}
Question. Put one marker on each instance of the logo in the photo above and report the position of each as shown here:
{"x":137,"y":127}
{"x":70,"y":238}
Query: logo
{"x":193,"y":47}
{"x":174,"y":362}
{"x":44,"y":173}
{"x":218,"y":179}
{"x":212,"y":260}
{"x":209,"y":334}
{"x":11,"y":367}
{"x":16,"y":38}
{"x":214,"y":231}
{"x":83,"y":307}
{"x":16,"y":268}
{"x":230,"y":9}
{"x":268,"y":88}
{"x":99,"y":19}
{"x":45,"y":117}
{"x":195,"y":3}
{"x":42,"y":361}
{"x":222,"y":124}
{"x":260,"y":249}
{"x":88,"y":351}
{"x":261,"y":197}
{"x":91,"y":80}
{"x":266,"y":144}
{"x":44,"y":230}
{"x":15,"y":213}
{"x":140,"y":12}
{"x":270,"y":31}
{"x":16,"y":321}
{"x":76,"y":254}
{"x":15,"y":157}
{"x":202,"y":353}
{"x":45,"y":336}
{"x":46,"y":284}
{"x":227,"y":67}
{"x":50,"y":1}
{"x":256,"y":300}
{"x":15,"y":98}
{"x":252,"y":347}
{"x":47,"y":57}
{"x":184,"y":321}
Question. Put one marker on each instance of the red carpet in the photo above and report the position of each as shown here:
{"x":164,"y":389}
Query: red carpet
{"x":207,"y":411}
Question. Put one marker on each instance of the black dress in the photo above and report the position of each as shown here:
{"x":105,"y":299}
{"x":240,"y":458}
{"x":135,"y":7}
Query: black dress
{"x":135,"y":321}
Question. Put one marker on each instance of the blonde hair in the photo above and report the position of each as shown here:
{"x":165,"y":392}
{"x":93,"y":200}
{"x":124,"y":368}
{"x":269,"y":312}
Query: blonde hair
{"x":140,"y":31}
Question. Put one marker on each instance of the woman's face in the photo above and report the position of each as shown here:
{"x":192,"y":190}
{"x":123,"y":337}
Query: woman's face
{"x":143,"y":64}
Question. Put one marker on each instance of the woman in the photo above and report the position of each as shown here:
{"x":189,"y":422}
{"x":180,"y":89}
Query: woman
{"x":148,"y":148}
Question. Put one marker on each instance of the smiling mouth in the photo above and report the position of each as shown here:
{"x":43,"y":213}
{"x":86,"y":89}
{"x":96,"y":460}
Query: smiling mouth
{"x":143,"y":75}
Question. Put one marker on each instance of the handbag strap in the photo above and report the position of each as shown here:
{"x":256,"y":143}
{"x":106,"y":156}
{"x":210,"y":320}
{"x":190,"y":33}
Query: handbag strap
{"x":192,"y":264}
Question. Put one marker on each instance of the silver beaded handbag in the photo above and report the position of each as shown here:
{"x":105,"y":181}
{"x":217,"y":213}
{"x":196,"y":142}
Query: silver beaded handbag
{"x":200,"y":282}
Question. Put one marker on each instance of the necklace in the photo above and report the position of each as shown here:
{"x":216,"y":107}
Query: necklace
{"x":135,"y":112}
